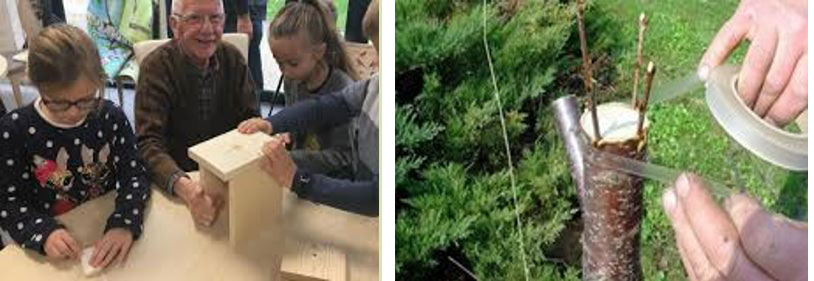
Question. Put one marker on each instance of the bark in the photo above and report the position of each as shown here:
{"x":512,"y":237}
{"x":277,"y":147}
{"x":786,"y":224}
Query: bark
{"x":612,"y":201}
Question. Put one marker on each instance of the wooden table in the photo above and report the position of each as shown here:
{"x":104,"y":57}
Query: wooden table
{"x":172,"y":248}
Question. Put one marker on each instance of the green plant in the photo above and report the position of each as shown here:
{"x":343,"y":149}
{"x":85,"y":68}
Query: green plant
{"x":451,"y":171}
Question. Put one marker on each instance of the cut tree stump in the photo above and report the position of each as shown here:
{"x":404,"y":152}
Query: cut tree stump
{"x":612,"y":201}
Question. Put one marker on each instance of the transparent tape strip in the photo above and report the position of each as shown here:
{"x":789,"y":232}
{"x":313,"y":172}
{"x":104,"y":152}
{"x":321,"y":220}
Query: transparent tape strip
{"x":779,"y":147}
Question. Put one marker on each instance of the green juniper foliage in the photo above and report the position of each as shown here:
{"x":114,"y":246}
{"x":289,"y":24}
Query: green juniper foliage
{"x":455,"y":195}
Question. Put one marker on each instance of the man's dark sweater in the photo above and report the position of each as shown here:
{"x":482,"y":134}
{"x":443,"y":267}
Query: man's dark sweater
{"x":178,"y":106}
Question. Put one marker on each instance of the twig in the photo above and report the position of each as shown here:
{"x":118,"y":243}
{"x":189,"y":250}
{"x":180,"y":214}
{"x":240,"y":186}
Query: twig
{"x":642,"y":27}
{"x":648,"y":83}
{"x":586,"y":68}
{"x":459,"y":265}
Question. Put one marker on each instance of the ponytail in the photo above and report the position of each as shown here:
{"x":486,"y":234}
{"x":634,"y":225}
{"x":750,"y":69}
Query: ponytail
{"x":313,"y":17}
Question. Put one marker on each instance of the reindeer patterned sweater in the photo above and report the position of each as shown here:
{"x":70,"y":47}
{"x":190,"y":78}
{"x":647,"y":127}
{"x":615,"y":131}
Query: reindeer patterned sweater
{"x":47,"y":169}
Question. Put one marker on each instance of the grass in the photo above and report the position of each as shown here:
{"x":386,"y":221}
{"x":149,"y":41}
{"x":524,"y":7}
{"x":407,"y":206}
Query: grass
{"x":272,"y":6}
{"x":683,"y":134}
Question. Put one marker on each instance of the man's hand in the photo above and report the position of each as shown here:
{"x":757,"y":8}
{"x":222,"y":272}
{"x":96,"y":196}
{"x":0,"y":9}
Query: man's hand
{"x":244,"y":25}
{"x":115,"y":245}
{"x":773,"y":78}
{"x":61,"y":245}
{"x":202,"y":206}
{"x":738,"y":242}
{"x":279,"y":164}
{"x":253,"y":125}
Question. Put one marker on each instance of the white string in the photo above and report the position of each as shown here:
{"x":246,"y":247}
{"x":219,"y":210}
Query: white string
{"x":508,"y":150}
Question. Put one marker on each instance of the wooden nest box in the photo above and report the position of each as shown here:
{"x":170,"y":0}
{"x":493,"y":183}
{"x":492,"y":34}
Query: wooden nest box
{"x":230,"y":170}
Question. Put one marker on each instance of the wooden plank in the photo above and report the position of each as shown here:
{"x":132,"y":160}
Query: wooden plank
{"x":355,"y":236}
{"x":314,"y":262}
{"x":219,"y":191}
{"x":255,"y":207}
{"x":229,"y":154}
{"x":252,"y":199}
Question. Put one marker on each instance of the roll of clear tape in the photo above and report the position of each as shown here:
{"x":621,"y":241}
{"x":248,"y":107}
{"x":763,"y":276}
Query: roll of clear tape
{"x":777,"y":146}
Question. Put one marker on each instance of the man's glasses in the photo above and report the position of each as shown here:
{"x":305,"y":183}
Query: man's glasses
{"x":197,"y":21}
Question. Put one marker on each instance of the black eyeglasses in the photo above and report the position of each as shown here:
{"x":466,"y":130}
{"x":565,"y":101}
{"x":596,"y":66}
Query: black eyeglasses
{"x":85,"y":104}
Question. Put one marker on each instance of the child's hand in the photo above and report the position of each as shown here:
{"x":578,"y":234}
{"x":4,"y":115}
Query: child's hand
{"x":114,"y":245}
{"x":60,"y":244}
{"x":253,"y":125}
{"x":279,"y":165}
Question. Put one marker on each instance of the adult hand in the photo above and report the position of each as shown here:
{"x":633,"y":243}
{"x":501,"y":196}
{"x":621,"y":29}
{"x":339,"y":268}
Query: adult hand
{"x":60,"y":244}
{"x":773,"y":78}
{"x":203,"y":207}
{"x":115,"y":245}
{"x":740,"y":241}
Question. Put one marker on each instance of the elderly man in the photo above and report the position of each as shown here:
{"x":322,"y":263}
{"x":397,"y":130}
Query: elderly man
{"x":190,"y":89}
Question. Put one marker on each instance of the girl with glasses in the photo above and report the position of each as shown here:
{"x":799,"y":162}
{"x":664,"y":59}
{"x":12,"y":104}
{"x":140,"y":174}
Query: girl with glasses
{"x":68,"y":147}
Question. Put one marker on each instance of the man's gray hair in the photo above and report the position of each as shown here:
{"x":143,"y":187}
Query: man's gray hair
{"x":178,"y":6}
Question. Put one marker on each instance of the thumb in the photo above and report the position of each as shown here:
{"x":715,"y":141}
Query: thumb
{"x":198,"y":192}
{"x":773,"y":242}
{"x":208,"y":199}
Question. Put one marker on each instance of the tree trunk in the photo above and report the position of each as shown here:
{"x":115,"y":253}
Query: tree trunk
{"x":612,"y":201}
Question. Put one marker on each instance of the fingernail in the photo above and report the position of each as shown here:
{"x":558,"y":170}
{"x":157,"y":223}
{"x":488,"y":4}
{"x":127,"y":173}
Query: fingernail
{"x":683,"y":185}
{"x":703,"y":72}
{"x":669,"y":200}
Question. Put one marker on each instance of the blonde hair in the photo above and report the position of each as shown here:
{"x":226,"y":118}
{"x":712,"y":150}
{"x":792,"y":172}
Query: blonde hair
{"x":312,"y":17}
{"x":370,"y":23}
{"x":59,"y":55}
